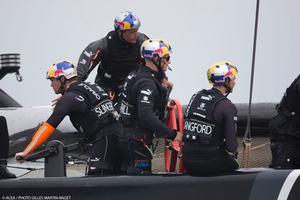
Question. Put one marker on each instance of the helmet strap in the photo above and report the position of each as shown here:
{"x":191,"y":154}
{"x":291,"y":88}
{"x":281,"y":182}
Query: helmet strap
{"x":121,"y":34}
{"x":157,"y":63}
{"x":62,"y":84}
{"x":227,"y":87}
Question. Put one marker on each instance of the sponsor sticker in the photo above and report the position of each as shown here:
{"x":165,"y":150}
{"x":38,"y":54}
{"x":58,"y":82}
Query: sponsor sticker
{"x":200,"y":128}
{"x":146,"y":92}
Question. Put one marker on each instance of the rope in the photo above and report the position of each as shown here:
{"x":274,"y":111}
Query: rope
{"x":247,"y":135}
{"x":25,"y":168}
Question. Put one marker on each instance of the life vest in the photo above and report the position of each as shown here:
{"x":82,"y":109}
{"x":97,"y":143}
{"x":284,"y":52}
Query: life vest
{"x":128,"y":103}
{"x":119,"y":60}
{"x":99,"y":112}
{"x":199,"y":124}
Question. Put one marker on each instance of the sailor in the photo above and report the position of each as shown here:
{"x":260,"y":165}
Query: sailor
{"x":117,"y":54}
{"x":209,"y":141}
{"x":91,"y":112}
{"x":4,"y":147}
{"x":285,"y":130}
{"x":143,"y":102}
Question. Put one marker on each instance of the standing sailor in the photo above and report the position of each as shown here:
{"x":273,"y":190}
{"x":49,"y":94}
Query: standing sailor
{"x":117,"y":54}
{"x":143,"y":102}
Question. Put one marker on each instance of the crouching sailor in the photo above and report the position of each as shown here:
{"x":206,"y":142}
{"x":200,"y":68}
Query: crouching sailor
{"x":91,"y":113}
{"x":210,"y":144}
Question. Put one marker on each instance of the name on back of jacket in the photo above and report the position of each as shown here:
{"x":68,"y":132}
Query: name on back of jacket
{"x":198,"y":128}
{"x":103,"y":108}
{"x":90,"y":90}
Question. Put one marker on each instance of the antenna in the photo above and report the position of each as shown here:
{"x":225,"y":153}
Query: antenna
{"x":10,"y":63}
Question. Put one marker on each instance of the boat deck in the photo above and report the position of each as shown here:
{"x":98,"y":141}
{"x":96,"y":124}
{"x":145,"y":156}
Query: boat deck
{"x":260,"y":157}
{"x":257,"y":182}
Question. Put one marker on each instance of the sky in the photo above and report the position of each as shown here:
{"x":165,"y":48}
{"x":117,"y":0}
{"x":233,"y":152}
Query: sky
{"x":201,"y":32}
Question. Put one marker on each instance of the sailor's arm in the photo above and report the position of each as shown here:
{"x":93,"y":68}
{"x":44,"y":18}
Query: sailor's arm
{"x":147,"y":116}
{"x":40,"y":137}
{"x":230,"y":126}
{"x":90,"y":58}
{"x":47,"y":128}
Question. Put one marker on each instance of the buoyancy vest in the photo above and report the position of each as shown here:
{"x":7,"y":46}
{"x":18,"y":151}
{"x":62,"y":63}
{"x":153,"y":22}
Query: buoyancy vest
{"x":120,"y":59}
{"x":99,"y":112}
{"x":128,"y":106}
{"x":199,"y":124}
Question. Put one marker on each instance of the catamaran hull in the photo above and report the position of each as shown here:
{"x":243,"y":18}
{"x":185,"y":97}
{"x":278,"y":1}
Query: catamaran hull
{"x":252,"y":185}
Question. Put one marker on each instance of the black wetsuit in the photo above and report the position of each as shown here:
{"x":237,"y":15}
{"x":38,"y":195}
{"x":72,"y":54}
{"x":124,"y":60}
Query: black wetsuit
{"x":210,"y":142}
{"x":4,"y":149}
{"x":143,"y":102}
{"x":116,"y":59}
{"x":92,"y":113}
{"x":4,"y":142}
{"x":285,"y":130}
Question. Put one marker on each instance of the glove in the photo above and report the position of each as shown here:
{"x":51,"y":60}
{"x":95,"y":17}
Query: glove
{"x":20,"y":157}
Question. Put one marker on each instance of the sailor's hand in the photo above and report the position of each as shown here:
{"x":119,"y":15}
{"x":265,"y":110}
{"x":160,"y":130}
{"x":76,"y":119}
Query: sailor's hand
{"x":167,"y":84}
{"x":175,"y":143}
{"x":20,"y":157}
{"x":112,"y":95}
{"x":178,"y":137}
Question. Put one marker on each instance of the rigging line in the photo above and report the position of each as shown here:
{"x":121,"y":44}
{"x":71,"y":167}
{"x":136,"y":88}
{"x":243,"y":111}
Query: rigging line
{"x":247,"y":135}
{"x":25,"y":168}
{"x":257,"y":147}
